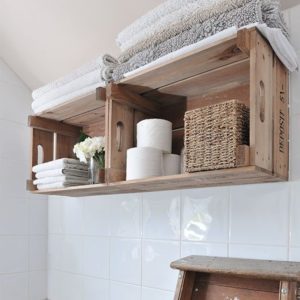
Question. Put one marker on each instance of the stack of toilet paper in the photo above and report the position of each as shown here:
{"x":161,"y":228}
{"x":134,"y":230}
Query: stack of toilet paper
{"x":152,"y":157}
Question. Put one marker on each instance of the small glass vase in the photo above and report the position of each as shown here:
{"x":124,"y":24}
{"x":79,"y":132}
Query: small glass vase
{"x":96,"y":173}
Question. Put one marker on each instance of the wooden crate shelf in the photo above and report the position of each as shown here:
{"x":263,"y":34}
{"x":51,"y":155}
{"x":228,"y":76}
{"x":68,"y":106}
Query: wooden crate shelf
{"x":242,"y":66}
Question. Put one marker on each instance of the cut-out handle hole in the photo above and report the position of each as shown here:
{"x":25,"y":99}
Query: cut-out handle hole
{"x":262,"y":99}
{"x":40,"y":154}
{"x":119,"y":136}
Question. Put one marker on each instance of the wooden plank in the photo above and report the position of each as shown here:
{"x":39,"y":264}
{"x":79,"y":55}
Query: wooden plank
{"x":215,"y":81}
{"x":259,"y":269}
{"x":71,"y":107}
{"x":185,"y":285}
{"x":53,"y":126}
{"x":123,"y":95}
{"x":288,"y":290}
{"x":85,"y":119}
{"x":254,"y":284}
{"x":210,"y":57}
{"x":261,"y":103}
{"x":242,"y":93}
{"x":65,"y":145}
{"x":213,"y":292}
{"x":281,"y":119}
{"x":120,"y":120}
{"x":235,"y":176}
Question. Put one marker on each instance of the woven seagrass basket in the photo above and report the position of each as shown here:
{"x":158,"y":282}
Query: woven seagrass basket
{"x":213,"y":134}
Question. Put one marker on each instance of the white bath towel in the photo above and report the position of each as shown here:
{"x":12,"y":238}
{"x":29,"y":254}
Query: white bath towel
{"x":60,"y":172}
{"x":56,"y":185}
{"x":69,"y":98}
{"x":63,"y":163}
{"x":79,"y":83}
{"x":281,"y":46}
{"x":64,"y":179}
{"x":87,"y":68}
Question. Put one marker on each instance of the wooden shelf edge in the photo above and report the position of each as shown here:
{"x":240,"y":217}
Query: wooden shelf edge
{"x":236,"y":176}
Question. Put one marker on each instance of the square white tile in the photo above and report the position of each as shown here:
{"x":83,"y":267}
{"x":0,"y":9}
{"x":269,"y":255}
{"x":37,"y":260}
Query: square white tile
{"x":157,"y":256}
{"x":96,"y":257}
{"x":161,"y":215}
{"x":72,"y":215}
{"x":55,"y":244}
{"x":258,"y":252}
{"x":125,"y":260}
{"x":38,"y":214}
{"x":95,"y":289}
{"x":294,"y":26}
{"x":295,"y":254}
{"x":38,"y":285}
{"x":72,"y":254}
{"x":126,"y":215}
{"x":55,"y":219}
{"x":205,"y":215}
{"x":207,"y":249}
{"x":295,"y":213}
{"x":14,"y":287}
{"x":294,"y":92}
{"x":124,"y":291}
{"x":96,"y":215}
{"x":38,"y":253}
{"x":14,"y":256}
{"x":71,"y":287}
{"x":259,"y":214}
{"x":151,"y":294}
{"x":14,"y":216}
{"x":15,"y":138}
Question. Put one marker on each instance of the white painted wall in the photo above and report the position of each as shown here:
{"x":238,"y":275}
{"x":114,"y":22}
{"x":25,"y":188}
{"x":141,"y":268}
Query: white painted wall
{"x":120,"y":247}
{"x":23,"y":217}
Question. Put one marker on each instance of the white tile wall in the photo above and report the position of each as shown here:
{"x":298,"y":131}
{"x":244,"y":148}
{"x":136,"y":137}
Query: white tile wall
{"x":120,"y":247}
{"x":23,"y":218}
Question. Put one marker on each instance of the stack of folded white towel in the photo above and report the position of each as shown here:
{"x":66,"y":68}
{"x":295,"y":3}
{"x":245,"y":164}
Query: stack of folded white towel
{"x":80,"y":83}
{"x":64,"y":172}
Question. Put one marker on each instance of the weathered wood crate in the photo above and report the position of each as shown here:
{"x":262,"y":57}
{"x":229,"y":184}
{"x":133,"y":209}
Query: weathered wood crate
{"x":211,"y":278}
{"x":242,"y":66}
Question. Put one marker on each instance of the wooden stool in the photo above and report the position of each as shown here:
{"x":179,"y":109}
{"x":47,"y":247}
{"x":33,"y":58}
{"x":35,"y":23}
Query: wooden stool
{"x":212,"y":278}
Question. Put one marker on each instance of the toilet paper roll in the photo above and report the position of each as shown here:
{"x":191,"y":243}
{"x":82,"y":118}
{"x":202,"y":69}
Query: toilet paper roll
{"x":144,"y":162}
{"x":171,"y":164}
{"x":155,"y":133}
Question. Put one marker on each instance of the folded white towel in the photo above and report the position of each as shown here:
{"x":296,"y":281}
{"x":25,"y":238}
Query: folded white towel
{"x":81,"y":82}
{"x":69,"y":98}
{"x":60,"y":172}
{"x":96,"y":64}
{"x":56,"y":185}
{"x":63,"y":163}
{"x":281,"y":45}
{"x":56,"y":179}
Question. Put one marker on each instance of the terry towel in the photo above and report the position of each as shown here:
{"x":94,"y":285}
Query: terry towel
{"x":56,"y":185}
{"x":63,"y":163}
{"x":60,"y":172}
{"x":56,"y":179}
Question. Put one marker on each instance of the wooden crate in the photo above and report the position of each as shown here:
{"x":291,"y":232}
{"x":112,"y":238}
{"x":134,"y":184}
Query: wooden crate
{"x":242,"y":66}
{"x":211,"y":278}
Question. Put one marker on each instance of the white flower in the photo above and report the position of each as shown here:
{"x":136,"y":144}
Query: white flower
{"x":89,"y":147}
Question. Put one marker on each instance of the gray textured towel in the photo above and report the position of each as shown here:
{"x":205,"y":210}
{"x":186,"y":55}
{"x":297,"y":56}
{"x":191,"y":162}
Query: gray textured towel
{"x":241,"y":16}
{"x":188,"y":37}
{"x":267,"y":11}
